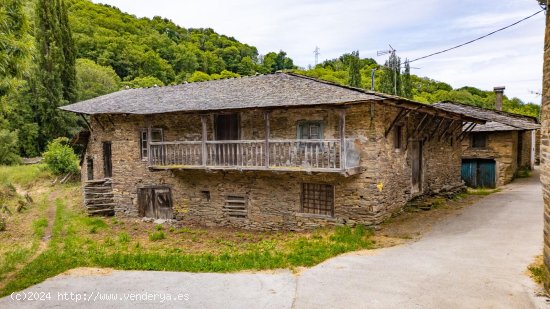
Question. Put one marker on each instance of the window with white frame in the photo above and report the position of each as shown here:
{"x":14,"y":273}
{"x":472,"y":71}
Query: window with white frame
{"x":156,"y":136}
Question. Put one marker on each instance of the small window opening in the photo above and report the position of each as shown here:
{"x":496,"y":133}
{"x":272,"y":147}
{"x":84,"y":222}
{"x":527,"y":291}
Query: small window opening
{"x":479,"y":140}
{"x":90,"y":168}
{"x":206,"y":195}
{"x":318,"y":199}
{"x":398,"y":137}
{"x":235,"y":206}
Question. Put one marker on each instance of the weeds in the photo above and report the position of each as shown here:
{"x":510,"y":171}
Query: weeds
{"x":482,"y":191}
{"x":38,"y":227}
{"x":156,"y":236}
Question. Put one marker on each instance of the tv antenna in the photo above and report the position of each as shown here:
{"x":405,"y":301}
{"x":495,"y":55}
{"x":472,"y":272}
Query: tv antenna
{"x":317,"y":51}
{"x":386,"y":52}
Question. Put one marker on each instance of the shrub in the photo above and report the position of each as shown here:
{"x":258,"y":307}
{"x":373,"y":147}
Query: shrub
{"x":9,"y":151}
{"x":60,"y":157}
{"x":158,"y":235}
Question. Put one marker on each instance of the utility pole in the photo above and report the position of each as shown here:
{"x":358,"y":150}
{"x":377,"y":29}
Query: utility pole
{"x":317,"y":51}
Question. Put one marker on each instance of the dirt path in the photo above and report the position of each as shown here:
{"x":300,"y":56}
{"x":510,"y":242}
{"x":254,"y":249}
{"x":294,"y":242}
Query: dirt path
{"x":44,"y":241}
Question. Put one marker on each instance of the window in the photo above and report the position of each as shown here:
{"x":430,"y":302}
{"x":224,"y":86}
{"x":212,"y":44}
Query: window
{"x":156,"y":136}
{"x":479,"y":140}
{"x":90,"y":168}
{"x":318,"y":199}
{"x":235,"y":206}
{"x":310,"y":130}
{"x":398,"y":137}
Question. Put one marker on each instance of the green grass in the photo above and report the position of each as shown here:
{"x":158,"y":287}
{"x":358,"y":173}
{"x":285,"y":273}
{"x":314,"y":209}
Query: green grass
{"x":68,"y":249}
{"x":38,"y":227}
{"x":156,"y":236}
{"x":482,"y":191}
{"x":24,"y":175}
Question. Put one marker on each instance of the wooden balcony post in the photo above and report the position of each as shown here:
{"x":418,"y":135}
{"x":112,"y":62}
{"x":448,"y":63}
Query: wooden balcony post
{"x":342,"y":132}
{"x":149,"y":138}
{"x":204,"y":119}
{"x":267,"y":132}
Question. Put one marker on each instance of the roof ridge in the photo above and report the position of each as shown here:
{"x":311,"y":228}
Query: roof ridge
{"x":503,"y":113}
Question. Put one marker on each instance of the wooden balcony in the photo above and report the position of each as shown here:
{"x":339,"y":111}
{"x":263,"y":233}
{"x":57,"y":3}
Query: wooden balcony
{"x":327,"y":155}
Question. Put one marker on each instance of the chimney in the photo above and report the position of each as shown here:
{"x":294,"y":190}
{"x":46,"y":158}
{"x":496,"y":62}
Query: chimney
{"x":499,"y":92}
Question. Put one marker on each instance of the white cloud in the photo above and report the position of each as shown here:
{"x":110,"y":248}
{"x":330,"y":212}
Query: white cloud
{"x":415,"y":28}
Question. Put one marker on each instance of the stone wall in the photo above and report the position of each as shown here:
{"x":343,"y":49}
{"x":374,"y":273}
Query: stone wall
{"x":502,"y":146}
{"x":382,"y":187}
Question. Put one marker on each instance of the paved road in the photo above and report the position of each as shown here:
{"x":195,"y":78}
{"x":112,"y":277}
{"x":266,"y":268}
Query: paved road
{"x":475,"y":260}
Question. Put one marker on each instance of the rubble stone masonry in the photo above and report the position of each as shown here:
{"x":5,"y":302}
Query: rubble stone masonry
{"x":382,"y":186}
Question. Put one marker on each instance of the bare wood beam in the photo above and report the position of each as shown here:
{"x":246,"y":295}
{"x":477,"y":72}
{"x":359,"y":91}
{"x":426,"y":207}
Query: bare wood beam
{"x":99,"y":122}
{"x":436,"y":128}
{"x":402,"y":113}
{"x":465,"y":131}
{"x":110,"y":120}
{"x":451,"y":123}
{"x":204,"y":119}
{"x":419,"y":124}
{"x":342,"y":131}
{"x":87,"y":123}
{"x":423,"y":126}
{"x":148,"y":123}
{"x":267,"y":115}
{"x":468,"y":131}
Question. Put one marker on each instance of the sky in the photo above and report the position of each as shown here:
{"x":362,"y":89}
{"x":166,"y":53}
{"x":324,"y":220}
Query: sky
{"x":511,"y":58}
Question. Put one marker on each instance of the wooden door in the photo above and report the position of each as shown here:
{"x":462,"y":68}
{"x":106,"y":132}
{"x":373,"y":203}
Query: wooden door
{"x":486,"y":174}
{"x":416,"y":165}
{"x":469,"y":172}
{"x":107,"y":160}
{"x":227,"y":129}
{"x":155,"y":203}
{"x":479,"y":173}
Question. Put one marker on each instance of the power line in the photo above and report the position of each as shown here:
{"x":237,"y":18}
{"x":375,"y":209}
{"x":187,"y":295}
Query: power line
{"x":477,"y":39}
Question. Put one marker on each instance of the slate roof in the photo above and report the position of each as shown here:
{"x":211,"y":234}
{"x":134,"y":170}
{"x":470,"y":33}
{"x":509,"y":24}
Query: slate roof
{"x":496,"y":120}
{"x":273,"y":90}
{"x":278,"y":90}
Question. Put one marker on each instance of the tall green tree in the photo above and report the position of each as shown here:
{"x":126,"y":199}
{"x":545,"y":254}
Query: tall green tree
{"x":354,"y":70}
{"x":406,"y":81}
{"x":55,"y":71}
{"x":15,"y":56}
{"x":390,"y":79}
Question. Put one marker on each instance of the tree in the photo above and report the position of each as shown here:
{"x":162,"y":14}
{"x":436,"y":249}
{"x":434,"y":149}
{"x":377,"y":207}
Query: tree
{"x":9,"y":152}
{"x":390,"y":79}
{"x":144,"y":82}
{"x":15,"y":56}
{"x":55,"y":66}
{"x":199,"y":76}
{"x":406,"y":81}
{"x":15,"y":49}
{"x":95,"y":80}
{"x":354,"y":70}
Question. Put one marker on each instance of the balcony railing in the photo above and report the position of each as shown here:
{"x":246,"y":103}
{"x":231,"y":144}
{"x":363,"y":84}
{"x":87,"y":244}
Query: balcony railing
{"x":327,"y":155}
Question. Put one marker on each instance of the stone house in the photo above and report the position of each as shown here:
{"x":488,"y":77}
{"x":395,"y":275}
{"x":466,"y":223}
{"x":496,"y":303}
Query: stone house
{"x":278,"y":151}
{"x":494,"y":152}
